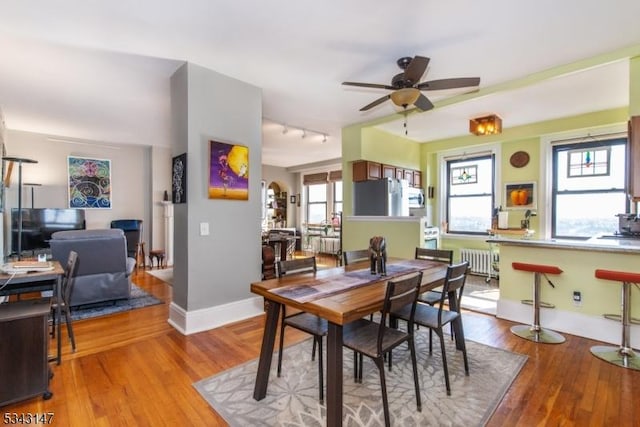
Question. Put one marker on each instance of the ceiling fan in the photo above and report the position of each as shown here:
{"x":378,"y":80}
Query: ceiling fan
{"x":406,"y":85}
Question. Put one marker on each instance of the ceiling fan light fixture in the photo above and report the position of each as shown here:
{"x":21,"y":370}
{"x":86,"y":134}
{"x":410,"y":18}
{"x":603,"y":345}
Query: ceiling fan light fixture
{"x":405,"y":96}
{"x":487,"y":125}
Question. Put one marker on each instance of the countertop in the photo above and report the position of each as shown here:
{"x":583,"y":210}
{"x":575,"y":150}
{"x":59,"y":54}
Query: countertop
{"x":594,"y":244}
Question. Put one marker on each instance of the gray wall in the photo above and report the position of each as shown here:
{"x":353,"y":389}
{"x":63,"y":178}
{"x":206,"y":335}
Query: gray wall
{"x":130,"y":172}
{"x":215,"y":269}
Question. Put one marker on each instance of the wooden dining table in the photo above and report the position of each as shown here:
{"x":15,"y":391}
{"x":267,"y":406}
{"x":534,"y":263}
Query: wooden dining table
{"x":340,"y":295}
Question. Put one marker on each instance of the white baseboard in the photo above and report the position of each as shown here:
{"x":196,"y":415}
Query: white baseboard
{"x":593,"y":327}
{"x":190,"y":322}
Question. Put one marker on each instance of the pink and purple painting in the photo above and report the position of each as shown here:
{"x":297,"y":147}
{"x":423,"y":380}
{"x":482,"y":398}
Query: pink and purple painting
{"x":228,"y":171}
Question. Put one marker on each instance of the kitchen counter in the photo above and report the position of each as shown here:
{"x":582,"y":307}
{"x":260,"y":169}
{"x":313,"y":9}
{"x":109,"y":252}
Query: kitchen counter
{"x":578,"y":260}
{"x":594,"y":244}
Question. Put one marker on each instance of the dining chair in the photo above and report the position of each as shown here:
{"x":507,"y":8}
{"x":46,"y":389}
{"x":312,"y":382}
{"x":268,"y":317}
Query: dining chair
{"x":374,"y":339}
{"x":349,"y":257}
{"x":303,"y":321}
{"x":439,"y":255}
{"x":67,"y":286}
{"x":436,"y":318}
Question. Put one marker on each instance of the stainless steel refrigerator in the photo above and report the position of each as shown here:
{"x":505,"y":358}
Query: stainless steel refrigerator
{"x":382,"y":197}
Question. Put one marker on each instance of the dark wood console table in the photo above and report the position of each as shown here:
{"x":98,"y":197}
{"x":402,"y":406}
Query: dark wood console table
{"x":24,"y":364}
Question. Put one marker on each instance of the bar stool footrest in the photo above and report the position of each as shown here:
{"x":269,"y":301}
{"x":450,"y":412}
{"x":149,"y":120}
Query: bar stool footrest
{"x":537,"y":334}
{"x":618,"y":356}
{"x":542,"y":304}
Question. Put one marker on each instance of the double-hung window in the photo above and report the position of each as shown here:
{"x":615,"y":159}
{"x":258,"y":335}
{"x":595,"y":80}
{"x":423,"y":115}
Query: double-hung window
{"x":470,"y":194}
{"x":316,"y":203}
{"x":588,"y":187}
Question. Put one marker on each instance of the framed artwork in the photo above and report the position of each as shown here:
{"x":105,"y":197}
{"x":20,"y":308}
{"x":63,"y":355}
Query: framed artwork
{"x":89,"y":183}
{"x":179,"y":179}
{"x":228,"y":171}
{"x":520,"y":195}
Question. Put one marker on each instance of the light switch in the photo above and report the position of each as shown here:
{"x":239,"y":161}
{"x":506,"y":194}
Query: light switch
{"x":204,"y":228}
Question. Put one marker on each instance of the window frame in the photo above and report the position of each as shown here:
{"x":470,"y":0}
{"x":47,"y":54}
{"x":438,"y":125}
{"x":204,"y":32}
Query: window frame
{"x":467,"y":153}
{"x":555,"y":148}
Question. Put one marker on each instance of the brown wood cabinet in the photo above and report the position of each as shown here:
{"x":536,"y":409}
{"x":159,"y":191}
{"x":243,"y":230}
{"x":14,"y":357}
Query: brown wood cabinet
{"x":417,"y":179}
{"x":633,"y":158}
{"x":364,"y":170}
{"x":388,"y":171}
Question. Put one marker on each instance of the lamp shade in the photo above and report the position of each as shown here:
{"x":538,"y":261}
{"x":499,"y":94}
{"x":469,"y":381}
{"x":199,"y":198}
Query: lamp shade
{"x":405,"y":96}
{"x":487,"y":125}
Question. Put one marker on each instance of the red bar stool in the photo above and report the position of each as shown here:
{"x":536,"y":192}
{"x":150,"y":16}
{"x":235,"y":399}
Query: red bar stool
{"x":535,"y":332}
{"x":622,"y":355}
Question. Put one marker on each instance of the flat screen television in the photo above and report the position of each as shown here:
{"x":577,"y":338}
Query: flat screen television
{"x":38,"y":224}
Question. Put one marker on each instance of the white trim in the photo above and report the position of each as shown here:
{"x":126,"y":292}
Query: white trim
{"x":570,"y":322}
{"x":457,"y":153}
{"x":191,"y":322}
{"x":546,"y":155}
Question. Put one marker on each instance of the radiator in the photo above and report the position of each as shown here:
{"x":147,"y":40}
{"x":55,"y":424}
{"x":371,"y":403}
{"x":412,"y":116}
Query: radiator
{"x":480,"y":260}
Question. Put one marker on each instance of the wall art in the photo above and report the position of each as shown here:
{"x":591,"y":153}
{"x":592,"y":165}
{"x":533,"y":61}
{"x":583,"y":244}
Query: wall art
{"x":228,"y":171}
{"x":520,"y":195}
{"x":89,"y":183}
{"x":179,"y":179}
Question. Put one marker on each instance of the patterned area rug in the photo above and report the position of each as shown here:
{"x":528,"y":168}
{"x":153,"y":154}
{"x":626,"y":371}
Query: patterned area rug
{"x":139,"y":298}
{"x":292,"y":400}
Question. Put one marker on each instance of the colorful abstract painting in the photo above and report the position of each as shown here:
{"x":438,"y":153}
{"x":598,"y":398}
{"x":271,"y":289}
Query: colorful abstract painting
{"x":228,"y":171}
{"x":89,"y":183}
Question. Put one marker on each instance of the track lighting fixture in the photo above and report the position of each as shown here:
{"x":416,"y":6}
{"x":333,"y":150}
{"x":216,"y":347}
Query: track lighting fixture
{"x":286,"y":128}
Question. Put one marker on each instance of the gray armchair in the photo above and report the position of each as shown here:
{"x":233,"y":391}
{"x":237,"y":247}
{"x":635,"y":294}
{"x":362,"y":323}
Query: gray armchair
{"x":104,"y":270}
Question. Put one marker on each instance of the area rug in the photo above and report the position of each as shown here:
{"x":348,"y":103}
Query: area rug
{"x":292,"y":399}
{"x":139,"y":298}
{"x":166,"y":275}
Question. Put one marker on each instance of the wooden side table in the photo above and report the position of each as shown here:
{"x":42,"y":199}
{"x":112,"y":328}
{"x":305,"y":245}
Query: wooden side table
{"x":159,"y":255}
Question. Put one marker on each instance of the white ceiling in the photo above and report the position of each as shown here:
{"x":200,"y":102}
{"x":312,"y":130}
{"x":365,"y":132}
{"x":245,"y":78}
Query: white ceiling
{"x":99,"y":71}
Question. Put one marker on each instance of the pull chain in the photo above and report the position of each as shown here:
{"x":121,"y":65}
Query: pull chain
{"x":406,"y":131}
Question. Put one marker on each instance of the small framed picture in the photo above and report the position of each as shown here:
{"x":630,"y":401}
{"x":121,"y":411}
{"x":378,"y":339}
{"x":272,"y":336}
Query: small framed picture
{"x":292,"y":199}
{"x":520,"y":195}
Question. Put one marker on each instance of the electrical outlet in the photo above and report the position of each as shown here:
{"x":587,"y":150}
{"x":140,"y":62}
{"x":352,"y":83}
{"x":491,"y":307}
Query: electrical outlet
{"x":577,"y":298}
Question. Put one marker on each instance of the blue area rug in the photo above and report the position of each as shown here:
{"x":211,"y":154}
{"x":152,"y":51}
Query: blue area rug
{"x":139,"y":298}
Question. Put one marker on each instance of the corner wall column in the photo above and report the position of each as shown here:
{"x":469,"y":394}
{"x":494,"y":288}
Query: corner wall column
{"x":168,"y":231}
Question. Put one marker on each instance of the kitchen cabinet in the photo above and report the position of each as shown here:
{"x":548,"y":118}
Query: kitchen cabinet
{"x":633,"y":158}
{"x":388,"y":171}
{"x":408,"y":175}
{"x":417,"y":179}
{"x":399,"y":173}
{"x":364,"y":170}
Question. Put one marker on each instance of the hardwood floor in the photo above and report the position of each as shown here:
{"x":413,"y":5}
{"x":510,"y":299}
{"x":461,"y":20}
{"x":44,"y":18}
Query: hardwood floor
{"x":134,"y":369}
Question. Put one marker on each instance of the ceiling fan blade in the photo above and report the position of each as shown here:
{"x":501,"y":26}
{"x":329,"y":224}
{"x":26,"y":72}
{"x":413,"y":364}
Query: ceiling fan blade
{"x":376,"y":102}
{"x":416,"y":69}
{"x":371,"y":85}
{"x":423,"y":103}
{"x":449,"y":83}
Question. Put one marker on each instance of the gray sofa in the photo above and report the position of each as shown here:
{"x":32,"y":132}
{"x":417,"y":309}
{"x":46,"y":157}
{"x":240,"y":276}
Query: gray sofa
{"x":104,"y":270}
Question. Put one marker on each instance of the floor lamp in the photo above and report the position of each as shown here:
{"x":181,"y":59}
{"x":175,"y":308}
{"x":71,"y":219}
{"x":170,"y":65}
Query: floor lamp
{"x":32,"y":185}
{"x":19,"y":161}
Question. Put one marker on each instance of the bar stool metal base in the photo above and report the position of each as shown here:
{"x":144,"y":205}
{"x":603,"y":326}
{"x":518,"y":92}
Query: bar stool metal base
{"x":540,"y":335}
{"x":617,"y":355}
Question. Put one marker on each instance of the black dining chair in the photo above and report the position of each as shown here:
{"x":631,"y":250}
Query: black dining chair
{"x":67,"y":286}
{"x":374,"y":339}
{"x":436,"y":318}
{"x":439,"y":255}
{"x":306,"y":322}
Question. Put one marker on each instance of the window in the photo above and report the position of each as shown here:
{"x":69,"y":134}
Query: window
{"x":588,"y":188}
{"x":470,"y":194}
{"x":316,"y":203}
{"x":337,"y":196}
